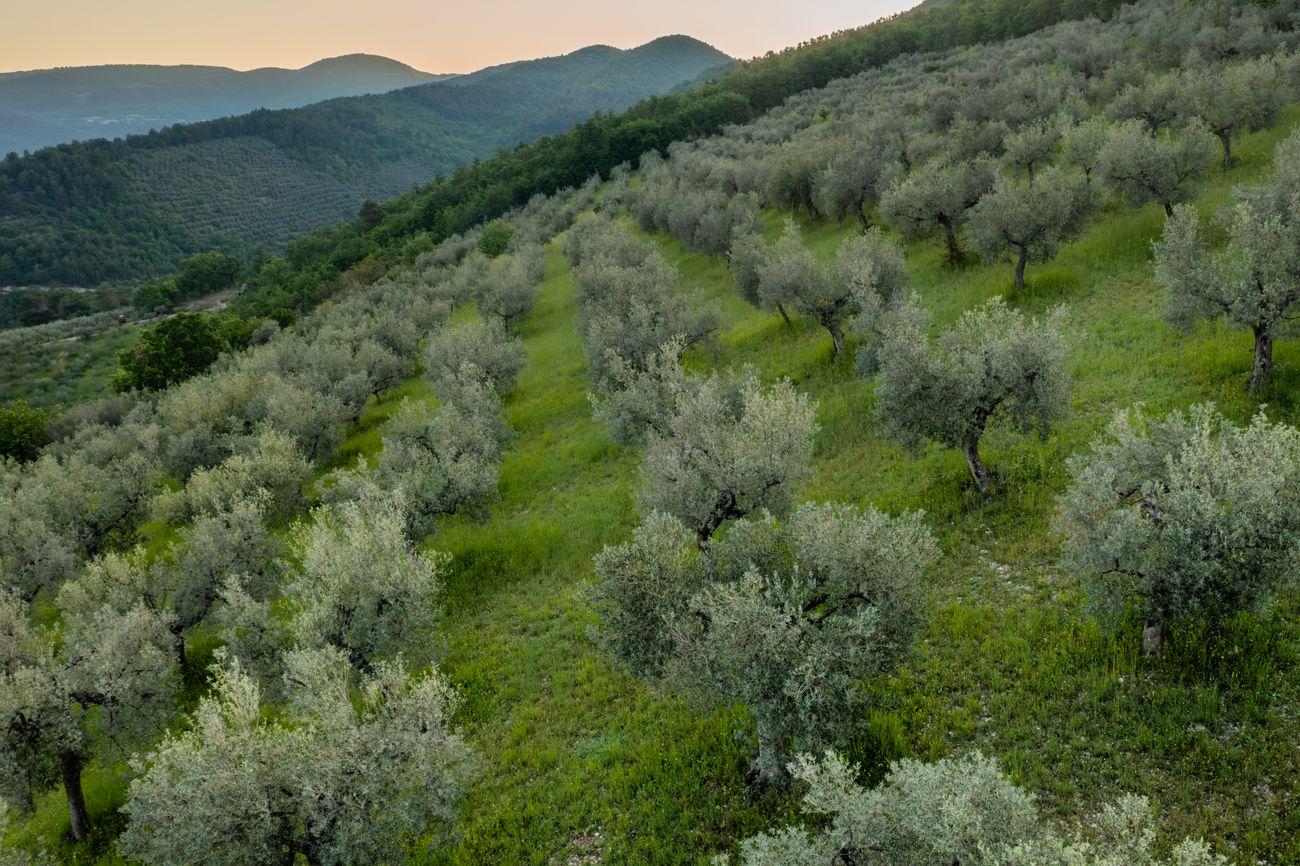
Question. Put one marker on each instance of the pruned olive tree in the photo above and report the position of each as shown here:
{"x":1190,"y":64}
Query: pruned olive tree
{"x":732,"y":447}
{"x":936,"y":198}
{"x":443,"y":460}
{"x":1029,"y":219}
{"x":1188,"y":517}
{"x":748,"y":257}
{"x":787,"y":619}
{"x":1235,"y":98}
{"x":638,"y":400}
{"x":1162,"y":168}
{"x":106,"y":683}
{"x":994,"y":365}
{"x":486,"y":345}
{"x":361,"y":587}
{"x":953,"y":811}
{"x":1255,"y":282}
{"x":865,"y":270}
{"x":353,"y":775}
{"x":1033,"y":145}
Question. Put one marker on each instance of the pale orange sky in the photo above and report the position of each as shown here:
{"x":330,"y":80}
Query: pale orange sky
{"x":433,"y":36}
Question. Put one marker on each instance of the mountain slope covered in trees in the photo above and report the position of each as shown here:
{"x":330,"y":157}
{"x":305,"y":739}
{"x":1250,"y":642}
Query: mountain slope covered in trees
{"x":92,"y":211}
{"x":907,"y":476}
{"x":45,"y":107}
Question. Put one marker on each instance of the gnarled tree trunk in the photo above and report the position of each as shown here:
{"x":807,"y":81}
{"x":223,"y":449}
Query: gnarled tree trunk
{"x":1153,"y":637}
{"x":70,"y":765}
{"x":955,"y":254}
{"x":970,"y":446}
{"x":769,"y":765}
{"x":1021,"y":260}
{"x":780,"y":308}
{"x":837,"y":337}
{"x":1263,"y":368}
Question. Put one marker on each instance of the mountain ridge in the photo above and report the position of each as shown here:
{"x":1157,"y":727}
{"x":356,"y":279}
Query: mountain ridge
{"x":131,"y":208}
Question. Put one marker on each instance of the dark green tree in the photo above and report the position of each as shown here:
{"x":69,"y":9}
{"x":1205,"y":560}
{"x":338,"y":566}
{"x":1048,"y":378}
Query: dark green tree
{"x":23,"y":430}
{"x":496,"y":238}
{"x":171,"y":351}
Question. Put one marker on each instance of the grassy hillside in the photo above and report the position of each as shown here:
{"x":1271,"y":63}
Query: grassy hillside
{"x":45,"y":107}
{"x":585,"y":764}
{"x":99,"y":210}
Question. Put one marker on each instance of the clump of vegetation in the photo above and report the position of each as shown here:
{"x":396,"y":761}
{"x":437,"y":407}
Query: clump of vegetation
{"x":1188,"y":517}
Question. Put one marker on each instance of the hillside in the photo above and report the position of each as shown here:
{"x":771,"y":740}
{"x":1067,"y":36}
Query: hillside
{"x":594,"y":535}
{"x":94,"y":211}
{"x":45,"y":107}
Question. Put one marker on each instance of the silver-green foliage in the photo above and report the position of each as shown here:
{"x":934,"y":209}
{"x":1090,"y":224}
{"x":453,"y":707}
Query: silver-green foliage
{"x":361,"y":586}
{"x":1029,"y":218}
{"x":785,"y":618}
{"x":953,"y":811}
{"x":994,"y":365}
{"x":1162,"y":167}
{"x":1186,"y":516}
{"x":867,"y":273}
{"x":353,"y":776}
{"x":732,"y":447}
{"x":1255,"y":282}
{"x":937,"y":197}
{"x":498,"y":355}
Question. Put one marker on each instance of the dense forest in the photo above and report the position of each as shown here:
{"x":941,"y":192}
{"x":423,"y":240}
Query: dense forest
{"x":132,"y":208}
{"x":905,"y":473}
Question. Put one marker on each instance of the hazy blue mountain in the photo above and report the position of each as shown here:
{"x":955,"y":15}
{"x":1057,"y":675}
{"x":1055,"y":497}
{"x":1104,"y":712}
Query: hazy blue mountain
{"x":110,"y":210}
{"x":52,"y":106}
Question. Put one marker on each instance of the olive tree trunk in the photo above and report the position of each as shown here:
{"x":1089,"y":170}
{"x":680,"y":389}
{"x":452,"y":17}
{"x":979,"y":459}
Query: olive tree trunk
{"x":780,"y":308}
{"x":1022,"y":259}
{"x":1263,"y":368}
{"x":1153,"y":637}
{"x":1225,"y":138}
{"x":837,"y":337}
{"x":769,"y":765}
{"x":955,"y":254}
{"x":70,"y":766}
{"x":970,"y":446}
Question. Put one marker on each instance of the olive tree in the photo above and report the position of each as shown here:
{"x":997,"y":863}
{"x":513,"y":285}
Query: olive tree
{"x":748,"y":257}
{"x":864,"y":267}
{"x":1160,"y":168}
{"x":108,"y":680}
{"x":1030,"y":218}
{"x":361,"y":587}
{"x":231,"y":541}
{"x":443,"y":460}
{"x":486,"y":345}
{"x":1033,"y":145}
{"x":636,"y":400}
{"x":936,"y":198}
{"x":855,"y":177}
{"x":993,"y":365}
{"x":1235,"y":98}
{"x":732,"y":447}
{"x":354,"y":775}
{"x":954,"y":811}
{"x":1081,"y":145}
{"x":787,"y":619}
{"x":1187,"y":517}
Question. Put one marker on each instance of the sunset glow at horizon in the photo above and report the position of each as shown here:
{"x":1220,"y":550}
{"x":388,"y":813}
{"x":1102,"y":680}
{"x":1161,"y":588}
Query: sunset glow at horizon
{"x":433,"y":37}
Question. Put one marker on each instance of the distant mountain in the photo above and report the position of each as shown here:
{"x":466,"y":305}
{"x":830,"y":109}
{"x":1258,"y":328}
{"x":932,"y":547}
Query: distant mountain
{"x":52,"y":106}
{"x":101,"y":210}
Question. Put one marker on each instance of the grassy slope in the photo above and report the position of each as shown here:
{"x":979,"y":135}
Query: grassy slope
{"x":580,"y":760}
{"x":582,"y":764}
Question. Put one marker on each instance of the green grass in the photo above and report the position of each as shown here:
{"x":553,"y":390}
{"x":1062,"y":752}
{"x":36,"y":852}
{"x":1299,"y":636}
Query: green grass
{"x":580,"y":763}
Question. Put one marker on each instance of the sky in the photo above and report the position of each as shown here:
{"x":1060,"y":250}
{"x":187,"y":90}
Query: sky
{"x":431,"y":35}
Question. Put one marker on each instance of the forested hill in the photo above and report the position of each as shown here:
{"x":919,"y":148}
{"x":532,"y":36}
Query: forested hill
{"x":87,"y":212}
{"x":45,"y":107}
